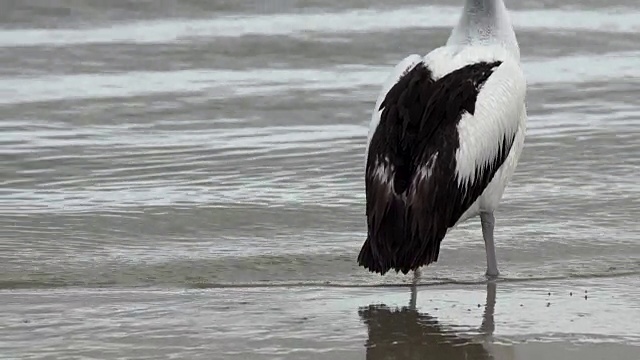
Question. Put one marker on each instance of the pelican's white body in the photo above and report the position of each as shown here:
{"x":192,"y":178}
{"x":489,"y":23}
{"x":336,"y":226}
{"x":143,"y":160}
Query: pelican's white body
{"x":500,"y":107}
{"x":484,"y":33}
{"x":500,"y":110}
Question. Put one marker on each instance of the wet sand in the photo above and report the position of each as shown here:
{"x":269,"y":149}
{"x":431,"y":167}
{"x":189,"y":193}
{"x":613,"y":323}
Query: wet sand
{"x":507,"y":319}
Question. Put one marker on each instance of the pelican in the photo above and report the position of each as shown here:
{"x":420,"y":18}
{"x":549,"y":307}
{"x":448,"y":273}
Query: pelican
{"x":445,"y":137}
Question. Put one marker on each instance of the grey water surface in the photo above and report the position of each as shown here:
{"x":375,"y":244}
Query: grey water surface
{"x":184,"y":179}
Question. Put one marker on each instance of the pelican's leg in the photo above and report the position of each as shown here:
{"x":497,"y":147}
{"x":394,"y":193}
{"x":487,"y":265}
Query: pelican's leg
{"x":414,"y":290}
{"x":416,"y":276}
{"x":487,"y":220}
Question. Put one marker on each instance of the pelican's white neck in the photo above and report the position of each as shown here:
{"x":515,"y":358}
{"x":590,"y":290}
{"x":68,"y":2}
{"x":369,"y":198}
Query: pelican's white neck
{"x":485,"y":22}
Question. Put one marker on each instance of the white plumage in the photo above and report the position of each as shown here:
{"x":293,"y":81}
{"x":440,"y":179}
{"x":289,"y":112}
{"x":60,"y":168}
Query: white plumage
{"x":483,"y":35}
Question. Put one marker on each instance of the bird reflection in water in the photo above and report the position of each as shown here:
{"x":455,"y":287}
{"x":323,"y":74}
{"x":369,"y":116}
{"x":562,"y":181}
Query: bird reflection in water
{"x":407,"y":334}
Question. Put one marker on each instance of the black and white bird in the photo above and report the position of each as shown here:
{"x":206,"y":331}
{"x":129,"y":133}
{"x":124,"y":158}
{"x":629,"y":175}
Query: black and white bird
{"x":445,"y":137}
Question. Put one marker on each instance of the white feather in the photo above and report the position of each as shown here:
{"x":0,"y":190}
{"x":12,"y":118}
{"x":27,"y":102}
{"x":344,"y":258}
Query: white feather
{"x":500,"y":110}
{"x":383,"y":171}
{"x":497,"y":109}
{"x":485,"y":22}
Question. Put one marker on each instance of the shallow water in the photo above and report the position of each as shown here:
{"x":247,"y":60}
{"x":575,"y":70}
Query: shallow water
{"x":185,"y":179}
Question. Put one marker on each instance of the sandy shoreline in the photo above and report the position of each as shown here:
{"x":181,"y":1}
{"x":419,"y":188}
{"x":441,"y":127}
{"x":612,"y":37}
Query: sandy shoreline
{"x":595,"y":318}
